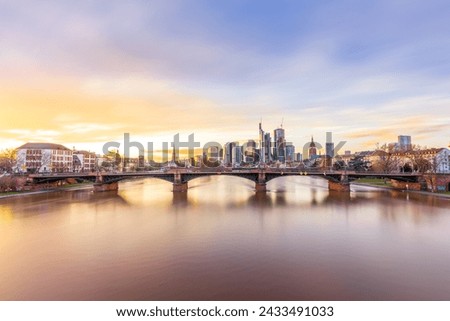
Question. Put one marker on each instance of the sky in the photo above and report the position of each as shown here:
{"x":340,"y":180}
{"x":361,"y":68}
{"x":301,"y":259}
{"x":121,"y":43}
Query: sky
{"x":82,"y":73}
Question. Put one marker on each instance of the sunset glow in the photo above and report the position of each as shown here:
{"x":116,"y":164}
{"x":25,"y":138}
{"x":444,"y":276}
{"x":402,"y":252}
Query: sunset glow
{"x":83,"y":74}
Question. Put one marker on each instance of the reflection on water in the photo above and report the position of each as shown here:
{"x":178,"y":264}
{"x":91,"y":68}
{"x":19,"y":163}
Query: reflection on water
{"x":221,"y":240}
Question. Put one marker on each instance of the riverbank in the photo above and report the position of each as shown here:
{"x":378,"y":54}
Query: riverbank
{"x":72,"y":187}
{"x":374,"y":183}
{"x":380,"y":184}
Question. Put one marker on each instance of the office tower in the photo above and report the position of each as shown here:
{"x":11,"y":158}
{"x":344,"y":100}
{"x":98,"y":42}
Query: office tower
{"x":290,"y":153}
{"x":267,"y":148}
{"x":404,"y":142}
{"x":329,"y":150}
{"x":280,"y":144}
{"x":228,"y":159}
{"x":236,"y":157}
{"x":262,"y":147}
{"x":329,"y":146}
{"x":249,"y":150}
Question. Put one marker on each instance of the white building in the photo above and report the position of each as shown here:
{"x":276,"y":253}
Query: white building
{"x":84,"y":161}
{"x":44,"y":157}
{"x":438,"y":159}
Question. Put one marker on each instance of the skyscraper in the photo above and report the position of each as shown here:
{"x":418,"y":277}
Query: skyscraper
{"x":290,"y":153}
{"x":329,"y":149}
{"x":228,"y":159}
{"x":267,"y":148}
{"x":249,"y":150}
{"x":236,"y":157}
{"x":329,"y":146}
{"x":262,"y":146}
{"x":404,"y":142}
{"x":279,"y":151}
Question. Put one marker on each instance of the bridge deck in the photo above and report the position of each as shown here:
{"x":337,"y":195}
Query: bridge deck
{"x":235,"y":172}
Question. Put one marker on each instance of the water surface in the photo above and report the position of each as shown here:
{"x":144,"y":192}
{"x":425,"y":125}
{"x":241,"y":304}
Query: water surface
{"x":223,"y":241}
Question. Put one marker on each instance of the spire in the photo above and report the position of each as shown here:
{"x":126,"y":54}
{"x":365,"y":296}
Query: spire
{"x":312,"y":144}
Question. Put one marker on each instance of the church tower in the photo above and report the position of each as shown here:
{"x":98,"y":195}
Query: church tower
{"x":312,"y":151}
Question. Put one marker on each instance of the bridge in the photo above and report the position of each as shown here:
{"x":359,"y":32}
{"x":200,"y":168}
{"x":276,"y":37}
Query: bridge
{"x":180,"y":177}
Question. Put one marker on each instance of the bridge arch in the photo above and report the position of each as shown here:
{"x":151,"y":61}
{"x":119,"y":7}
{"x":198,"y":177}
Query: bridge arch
{"x":115,"y":179}
{"x":270,"y":177}
{"x":252,"y":177}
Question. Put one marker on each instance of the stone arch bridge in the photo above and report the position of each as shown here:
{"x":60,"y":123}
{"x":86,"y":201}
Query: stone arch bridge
{"x":337,"y":180}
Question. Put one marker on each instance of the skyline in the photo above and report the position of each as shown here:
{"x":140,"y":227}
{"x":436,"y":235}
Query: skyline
{"x":83,"y":74}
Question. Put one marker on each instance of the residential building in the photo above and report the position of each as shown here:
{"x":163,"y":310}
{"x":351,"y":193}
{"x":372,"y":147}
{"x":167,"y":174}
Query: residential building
{"x":438,"y":160}
{"x":84,"y":161}
{"x":131,"y":164}
{"x":44,"y":157}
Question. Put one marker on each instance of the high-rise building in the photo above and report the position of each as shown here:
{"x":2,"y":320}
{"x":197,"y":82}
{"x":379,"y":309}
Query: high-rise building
{"x":228,"y":159}
{"x":404,"y":142}
{"x":214,"y":153}
{"x":250,"y":151}
{"x":236,"y":158}
{"x":290,"y":153}
{"x":329,"y":146}
{"x":329,"y":149}
{"x":279,"y":150}
{"x":262,"y":147}
{"x":267,"y":148}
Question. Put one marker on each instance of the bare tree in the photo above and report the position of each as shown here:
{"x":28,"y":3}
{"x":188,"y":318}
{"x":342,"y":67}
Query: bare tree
{"x":426,"y":161}
{"x":46,"y":162}
{"x":8,"y":160}
{"x":112,"y":161}
{"x":435,"y":163}
{"x":386,"y":160}
{"x":11,"y":184}
{"x":418,"y":159}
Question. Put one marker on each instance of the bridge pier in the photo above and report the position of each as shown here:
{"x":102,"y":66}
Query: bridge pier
{"x":339,"y":186}
{"x":102,"y":187}
{"x":180,"y":187}
{"x":260,"y":187}
{"x":260,"y":184}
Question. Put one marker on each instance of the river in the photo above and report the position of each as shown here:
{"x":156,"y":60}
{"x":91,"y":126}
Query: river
{"x":223,"y":241}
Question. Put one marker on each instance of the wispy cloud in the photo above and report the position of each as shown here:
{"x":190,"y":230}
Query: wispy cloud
{"x":84,"y":72}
